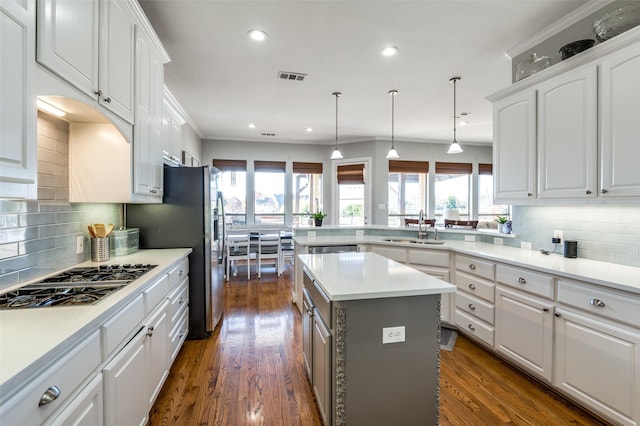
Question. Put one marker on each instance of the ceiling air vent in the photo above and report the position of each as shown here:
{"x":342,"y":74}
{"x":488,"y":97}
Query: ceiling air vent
{"x":268,"y":134}
{"x":294,"y":76}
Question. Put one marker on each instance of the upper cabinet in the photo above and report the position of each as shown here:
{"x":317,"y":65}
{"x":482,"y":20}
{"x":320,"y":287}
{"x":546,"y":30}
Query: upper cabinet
{"x":18,"y":158}
{"x":90,"y":44}
{"x":570,"y":132}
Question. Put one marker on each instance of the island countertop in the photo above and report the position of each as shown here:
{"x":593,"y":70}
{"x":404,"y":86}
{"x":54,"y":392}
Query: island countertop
{"x":354,"y":276}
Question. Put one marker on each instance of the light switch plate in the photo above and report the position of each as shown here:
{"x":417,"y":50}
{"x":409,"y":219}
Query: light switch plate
{"x":498,"y":241}
{"x":525,"y":245}
{"x":393,"y":334}
{"x":469,"y":238}
{"x":311,"y":234}
{"x":79,"y":245}
{"x":359,"y":233}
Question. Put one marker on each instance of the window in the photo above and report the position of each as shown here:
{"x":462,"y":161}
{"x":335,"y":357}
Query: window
{"x":351,"y":194}
{"x":487,"y":211}
{"x":233,"y":184}
{"x":452,"y":188}
{"x":269,"y":192}
{"x":307,"y":192}
{"x":407,"y":189}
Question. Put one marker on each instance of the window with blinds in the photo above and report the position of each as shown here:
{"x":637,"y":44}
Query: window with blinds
{"x":452,"y":190}
{"x":487,"y":211}
{"x":269,"y":195}
{"x":351,"y":174}
{"x":307,"y":192}
{"x":233,"y":184}
{"x":407,"y":189}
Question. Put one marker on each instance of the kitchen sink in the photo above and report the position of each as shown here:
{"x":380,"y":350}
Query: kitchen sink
{"x":437,"y":242}
{"x":413,"y":241}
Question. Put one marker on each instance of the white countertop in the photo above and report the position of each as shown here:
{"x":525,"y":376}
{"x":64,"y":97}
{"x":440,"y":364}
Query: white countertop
{"x":621,"y":277}
{"x":356,"y":276}
{"x":31,"y":338}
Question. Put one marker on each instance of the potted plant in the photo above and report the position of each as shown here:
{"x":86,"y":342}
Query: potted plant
{"x":451,"y":208}
{"x":504,"y":224}
{"x":317,"y":217}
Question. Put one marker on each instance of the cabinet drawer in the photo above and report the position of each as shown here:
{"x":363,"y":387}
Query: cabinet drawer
{"x":155,"y":293}
{"x":477,"y":286}
{"x":177,"y":274}
{"x":607,"y":303}
{"x":121,"y":325}
{"x":178,"y":299}
{"x":434,"y":271}
{"x":475,"y":307}
{"x":66,"y":374}
{"x":474,"y":266}
{"x":178,"y":334}
{"x":474,"y":327}
{"x":525,"y":280}
{"x":428,"y":257}
{"x":394,"y":253}
{"x":323,"y":304}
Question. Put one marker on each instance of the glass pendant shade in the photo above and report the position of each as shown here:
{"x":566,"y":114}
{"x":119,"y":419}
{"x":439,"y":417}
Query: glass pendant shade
{"x":392,"y":154}
{"x":336,"y":154}
{"x":455,"y":147}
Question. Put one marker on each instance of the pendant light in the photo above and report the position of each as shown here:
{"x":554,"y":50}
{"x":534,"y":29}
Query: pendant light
{"x":392,"y":152}
{"x":455,"y":147}
{"x":336,"y":154}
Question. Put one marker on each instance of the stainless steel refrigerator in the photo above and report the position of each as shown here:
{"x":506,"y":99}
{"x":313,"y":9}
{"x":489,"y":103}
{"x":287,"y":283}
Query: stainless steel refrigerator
{"x":186,"y":219}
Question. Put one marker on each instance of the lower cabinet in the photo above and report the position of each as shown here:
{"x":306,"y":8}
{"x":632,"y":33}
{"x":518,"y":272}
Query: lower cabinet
{"x":157,"y":352}
{"x":86,"y":409}
{"x":524,"y":330}
{"x":321,"y":366}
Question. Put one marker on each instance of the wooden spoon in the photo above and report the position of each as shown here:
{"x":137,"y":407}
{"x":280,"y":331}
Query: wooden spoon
{"x":100,"y":231}
{"x":108,"y":230}
{"x":91,"y":232}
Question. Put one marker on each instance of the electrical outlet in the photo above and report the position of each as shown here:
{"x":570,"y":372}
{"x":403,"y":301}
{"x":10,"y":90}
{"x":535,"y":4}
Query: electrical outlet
{"x":359,"y":233}
{"x":470,"y":238}
{"x":393,"y":334}
{"x":557,"y":237}
{"x":79,"y":245}
{"x":525,"y":245}
{"x":498,"y":241}
{"x":311,"y":234}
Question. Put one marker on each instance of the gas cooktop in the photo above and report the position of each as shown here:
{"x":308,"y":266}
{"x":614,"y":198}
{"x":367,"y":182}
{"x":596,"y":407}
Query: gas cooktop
{"x":76,"y":286}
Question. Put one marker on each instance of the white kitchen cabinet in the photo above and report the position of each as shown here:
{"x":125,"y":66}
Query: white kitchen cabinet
{"x":514,"y":147}
{"x":567,"y":135}
{"x":172,"y":123}
{"x":86,"y":409}
{"x":18,"y":146}
{"x":90,"y":44}
{"x":620,"y":115}
{"x":157,"y":352}
{"x":524,"y":330}
{"x":436,"y":264}
{"x":147,"y":137}
{"x":125,"y":384}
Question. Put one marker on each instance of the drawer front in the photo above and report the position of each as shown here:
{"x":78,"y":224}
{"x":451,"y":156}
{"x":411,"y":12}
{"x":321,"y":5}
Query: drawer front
{"x":441,"y":273}
{"x":115,"y":330}
{"x":155,"y":293}
{"x":66,"y":375}
{"x":178,"y":273}
{"x":179,"y":334}
{"x":525,"y":280}
{"x":477,"y":286}
{"x":607,"y":303}
{"x":472,"y":326}
{"x":476,"y":307}
{"x":323,"y":304}
{"x":178,"y":299}
{"x":480,"y":268}
{"x":428,"y":257}
{"x":394,"y":253}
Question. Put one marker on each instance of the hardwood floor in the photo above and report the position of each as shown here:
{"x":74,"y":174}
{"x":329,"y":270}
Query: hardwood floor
{"x":250,"y":371}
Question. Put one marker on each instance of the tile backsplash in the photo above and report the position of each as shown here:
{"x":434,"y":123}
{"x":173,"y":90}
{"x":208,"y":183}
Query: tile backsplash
{"x":606,"y":233}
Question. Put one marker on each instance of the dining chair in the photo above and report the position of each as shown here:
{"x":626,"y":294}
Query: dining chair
{"x":449,"y":223}
{"x":428,"y":222}
{"x":238,"y":247}
{"x":269,"y":248}
{"x":287,"y":247}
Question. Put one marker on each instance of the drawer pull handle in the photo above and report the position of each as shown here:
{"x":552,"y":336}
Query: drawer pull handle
{"x":557,"y":315}
{"x":471,"y":327}
{"x":529,"y":194}
{"x":181,"y":301}
{"x":603,"y":191}
{"x":545,"y":309}
{"x":180,"y":273}
{"x":150,"y":331}
{"x":588,"y":191}
{"x":472,"y":286}
{"x":472,"y":306}
{"x":181,"y":335}
{"x":597,"y":302}
{"x":49,"y":395}
{"x":522,"y":281}
{"x":472,"y":266}
{"x":98,"y":93}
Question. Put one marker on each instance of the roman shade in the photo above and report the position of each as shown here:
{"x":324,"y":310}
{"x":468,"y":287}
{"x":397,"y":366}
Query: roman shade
{"x":352,"y":174}
{"x":399,"y":166}
{"x":485,"y":169}
{"x":443,"y":168}
{"x":300,"y":167}
{"x":231,"y":165}
{"x":269,"y":166}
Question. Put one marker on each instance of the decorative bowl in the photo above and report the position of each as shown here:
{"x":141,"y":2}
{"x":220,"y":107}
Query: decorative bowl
{"x":616,"y":22}
{"x":568,"y":50}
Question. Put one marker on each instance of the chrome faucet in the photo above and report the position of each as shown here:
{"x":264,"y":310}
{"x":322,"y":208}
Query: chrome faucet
{"x":421,"y":233}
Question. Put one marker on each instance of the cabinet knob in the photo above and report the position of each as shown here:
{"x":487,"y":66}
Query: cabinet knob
{"x":472,"y":286}
{"x":150,"y":331}
{"x":597,"y":302}
{"x":588,"y":192}
{"x":472,"y":266}
{"x":521,"y":280}
{"x":181,"y":301}
{"x":154,"y":191}
{"x":180,"y":273}
{"x":472,"y":306}
{"x":529,"y":194}
{"x":108,"y":100}
{"x":181,"y":335}
{"x":557,"y":315}
{"x":471,"y":327}
{"x":545,"y":309}
{"x":49,"y":395}
{"x":98,"y":92}
{"x":603,"y":191}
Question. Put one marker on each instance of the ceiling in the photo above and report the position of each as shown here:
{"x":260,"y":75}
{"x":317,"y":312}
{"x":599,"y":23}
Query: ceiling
{"x":224,"y":80}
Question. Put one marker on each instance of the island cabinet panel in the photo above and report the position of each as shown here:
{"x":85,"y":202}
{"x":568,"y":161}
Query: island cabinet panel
{"x":398,"y":254}
{"x":375,"y":376}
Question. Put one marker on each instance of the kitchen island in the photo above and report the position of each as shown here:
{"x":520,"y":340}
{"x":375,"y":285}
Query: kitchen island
{"x":370,"y":337}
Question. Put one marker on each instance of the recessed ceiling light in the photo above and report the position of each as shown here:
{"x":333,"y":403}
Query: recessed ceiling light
{"x":257,"y":35}
{"x":308,"y":130}
{"x":389,"y":51}
{"x":251,"y":126}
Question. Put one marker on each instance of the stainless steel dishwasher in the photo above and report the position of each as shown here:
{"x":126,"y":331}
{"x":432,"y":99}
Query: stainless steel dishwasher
{"x":332,"y":249}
